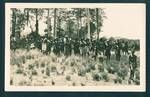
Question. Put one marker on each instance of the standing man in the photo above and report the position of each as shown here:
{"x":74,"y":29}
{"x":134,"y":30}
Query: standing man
{"x":132,"y":65}
{"x":108,"y":50}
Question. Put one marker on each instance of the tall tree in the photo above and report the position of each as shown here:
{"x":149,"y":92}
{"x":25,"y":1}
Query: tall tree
{"x":97,"y":22}
{"x":13,"y":21}
{"x":88,"y":23}
{"x":55,"y":16}
{"x":48,"y":23}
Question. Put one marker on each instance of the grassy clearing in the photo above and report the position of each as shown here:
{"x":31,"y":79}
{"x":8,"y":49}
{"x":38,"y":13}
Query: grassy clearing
{"x":32,"y":68}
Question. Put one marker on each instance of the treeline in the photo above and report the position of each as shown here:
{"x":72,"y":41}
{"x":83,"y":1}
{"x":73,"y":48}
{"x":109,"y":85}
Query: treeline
{"x":73,"y":22}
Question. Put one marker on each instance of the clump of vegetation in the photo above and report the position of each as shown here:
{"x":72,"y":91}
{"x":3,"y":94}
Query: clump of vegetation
{"x":42,"y":71}
{"x":122,"y":72}
{"x":68,"y":78}
{"x":47,"y":71}
{"x":43,"y":64}
{"x":72,"y":63}
{"x":112,"y":66}
{"x":105,"y":76}
{"x":96,"y":76}
{"x":137,"y":81}
{"x":11,"y":82}
{"x":118,"y":80}
{"x":100,"y":68}
{"x":88,"y":69}
{"x":19,"y":71}
{"x":34,"y":72}
{"x":54,"y":59}
{"x":30,"y":66}
{"x":81,"y":72}
{"x":53,"y":69}
{"x":36,"y":64}
{"x":28,"y":57}
{"x":15,"y":60}
{"x":73,"y":84}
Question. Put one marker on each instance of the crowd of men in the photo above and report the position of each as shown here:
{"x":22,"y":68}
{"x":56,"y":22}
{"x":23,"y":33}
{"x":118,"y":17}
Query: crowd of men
{"x":67,"y":46}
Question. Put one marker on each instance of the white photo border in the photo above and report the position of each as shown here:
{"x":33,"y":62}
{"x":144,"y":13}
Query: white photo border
{"x":115,"y":88}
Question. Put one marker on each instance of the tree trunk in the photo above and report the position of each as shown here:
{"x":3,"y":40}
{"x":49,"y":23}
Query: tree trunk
{"x":97,"y":22}
{"x":48,"y":24}
{"x":88,"y":23}
{"x":27,"y":16}
{"x":78,"y":27}
{"x":13,"y":22}
{"x":36,"y":25}
{"x":55,"y":15}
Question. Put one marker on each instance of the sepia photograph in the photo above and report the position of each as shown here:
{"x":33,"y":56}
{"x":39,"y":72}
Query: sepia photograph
{"x":75,"y":47}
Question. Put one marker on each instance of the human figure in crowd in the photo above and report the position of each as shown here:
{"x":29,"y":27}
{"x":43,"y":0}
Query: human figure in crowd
{"x":44,"y":45}
{"x":126,"y":48}
{"x":61,"y":42}
{"x":76,"y":47}
{"x":13,"y":43}
{"x":68,"y":47}
{"x":101,"y":57}
{"x":55,"y":46}
{"x":49,"y":45}
{"x":118,"y":53}
{"x":132,"y":65}
{"x":108,"y":50}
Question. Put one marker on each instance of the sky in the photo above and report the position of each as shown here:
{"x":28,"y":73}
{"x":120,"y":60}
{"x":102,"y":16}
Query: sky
{"x":126,"y":21}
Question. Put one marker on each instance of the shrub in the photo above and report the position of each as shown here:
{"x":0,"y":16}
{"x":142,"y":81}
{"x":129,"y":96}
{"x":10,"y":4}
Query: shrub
{"x":73,"y":84}
{"x":100,"y":68}
{"x":28,"y":57}
{"x":36,"y":64}
{"x":11,"y":82}
{"x":34,"y":72}
{"x":81,"y":72}
{"x":96,"y":76}
{"x":92,"y":67}
{"x":53,"y":69}
{"x":42,"y":71}
{"x":105,"y":76}
{"x":113,"y":66}
{"x":54,"y":59}
{"x":72,"y":63}
{"x":30,"y":66}
{"x":118,"y":80}
{"x":137,"y":81}
{"x":42,"y":64}
{"x":122,"y":72}
{"x":68,"y":78}
{"x":47,"y":71}
{"x":19,"y":71}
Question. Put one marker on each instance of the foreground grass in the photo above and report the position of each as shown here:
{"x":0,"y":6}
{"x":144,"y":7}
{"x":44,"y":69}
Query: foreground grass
{"x":32,"y":68}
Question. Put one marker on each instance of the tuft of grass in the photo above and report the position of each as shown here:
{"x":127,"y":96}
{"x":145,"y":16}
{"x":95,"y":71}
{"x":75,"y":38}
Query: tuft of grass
{"x":30,"y":66}
{"x":43,"y":64}
{"x":105,"y":76}
{"x":118,"y":80}
{"x":100,"y":68}
{"x":53,"y":69}
{"x":19,"y":71}
{"x":47,"y":71}
{"x":34,"y":72}
{"x":68,"y":78}
{"x":122,"y":72}
{"x":11,"y":82}
{"x":96,"y":76}
{"x":81,"y":72}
